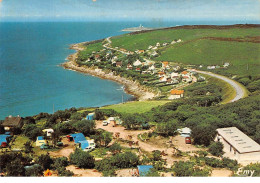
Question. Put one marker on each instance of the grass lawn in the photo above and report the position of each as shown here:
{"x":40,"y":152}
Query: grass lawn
{"x":90,"y":48}
{"x":136,"y":106}
{"x":19,"y":142}
{"x":99,"y":152}
{"x":211,"y":52}
{"x":143,"y":40}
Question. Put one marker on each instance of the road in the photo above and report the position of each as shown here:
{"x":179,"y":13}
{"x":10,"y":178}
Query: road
{"x":240,"y":91}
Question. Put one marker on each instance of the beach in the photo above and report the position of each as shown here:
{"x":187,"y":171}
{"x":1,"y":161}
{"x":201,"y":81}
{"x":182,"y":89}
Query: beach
{"x":130,"y":86}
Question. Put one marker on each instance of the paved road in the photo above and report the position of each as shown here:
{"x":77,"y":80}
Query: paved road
{"x":240,"y":92}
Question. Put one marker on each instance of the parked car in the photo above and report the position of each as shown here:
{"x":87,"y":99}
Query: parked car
{"x":44,"y":146}
{"x":59,"y":143}
{"x":105,"y":123}
{"x":187,"y":140}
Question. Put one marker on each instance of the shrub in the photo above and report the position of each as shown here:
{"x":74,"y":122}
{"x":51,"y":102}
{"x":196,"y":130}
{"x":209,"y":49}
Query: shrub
{"x":82,"y":159}
{"x":87,"y":127}
{"x":115,"y":148}
{"x":45,"y":161}
{"x":32,"y":131}
{"x":102,"y":138}
{"x":125,"y":160}
{"x":60,"y":162}
{"x":34,"y":171}
{"x":216,"y":148}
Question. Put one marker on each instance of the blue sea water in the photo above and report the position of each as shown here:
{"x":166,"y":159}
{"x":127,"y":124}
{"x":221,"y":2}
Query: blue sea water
{"x":31,"y":80}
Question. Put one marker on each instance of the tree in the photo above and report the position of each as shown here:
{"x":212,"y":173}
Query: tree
{"x":28,"y":147}
{"x":216,"y":148}
{"x":124,"y":160}
{"x":167,"y":129}
{"x":87,"y":127}
{"x":115,"y":148}
{"x":156,"y":155}
{"x":15,"y":168}
{"x":102,"y":138}
{"x":32,"y":131}
{"x":60,"y":162}
{"x":203,"y":134}
{"x":82,"y":159}
{"x":29,"y":120}
{"x":45,"y":161}
{"x":34,"y":171}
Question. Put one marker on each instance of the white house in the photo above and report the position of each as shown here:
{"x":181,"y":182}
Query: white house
{"x":150,"y":47}
{"x":151,"y":68}
{"x":174,"y":75}
{"x":226,"y":64}
{"x":137,"y":63}
{"x":178,"y":41}
{"x":158,"y":44}
{"x":173,"y":42}
{"x":238,"y":146}
{"x":175,"y":94}
{"x":211,"y":67}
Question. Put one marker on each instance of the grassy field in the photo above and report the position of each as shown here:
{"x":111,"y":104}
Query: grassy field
{"x":90,"y":48}
{"x":136,"y":106}
{"x":210,"y":52}
{"x":142,"y":41}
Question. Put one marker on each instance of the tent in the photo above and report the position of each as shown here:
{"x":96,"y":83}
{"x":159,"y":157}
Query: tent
{"x":78,"y":137}
{"x":144,"y":169}
{"x":4,"y":139}
{"x":90,"y":116}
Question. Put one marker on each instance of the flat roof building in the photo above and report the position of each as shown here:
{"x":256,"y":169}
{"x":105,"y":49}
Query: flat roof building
{"x":238,"y":145}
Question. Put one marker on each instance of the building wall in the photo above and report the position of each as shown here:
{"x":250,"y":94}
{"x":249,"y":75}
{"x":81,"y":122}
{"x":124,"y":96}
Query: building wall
{"x":232,"y":153}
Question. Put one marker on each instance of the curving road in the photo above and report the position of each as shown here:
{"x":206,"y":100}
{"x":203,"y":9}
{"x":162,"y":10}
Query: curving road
{"x":240,"y":91}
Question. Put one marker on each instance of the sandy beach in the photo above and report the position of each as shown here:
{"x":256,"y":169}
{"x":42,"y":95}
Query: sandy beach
{"x":131,"y":87}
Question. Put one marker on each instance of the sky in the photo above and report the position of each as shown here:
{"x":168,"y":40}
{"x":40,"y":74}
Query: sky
{"x":97,"y":10}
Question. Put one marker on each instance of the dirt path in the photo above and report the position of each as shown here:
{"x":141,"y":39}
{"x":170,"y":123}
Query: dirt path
{"x":157,"y":144}
{"x":221,"y":173}
{"x":64,"y":152}
{"x":240,"y":90}
{"x":83,"y":172}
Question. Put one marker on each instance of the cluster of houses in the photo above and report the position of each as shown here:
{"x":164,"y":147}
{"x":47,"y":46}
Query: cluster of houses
{"x":212,"y":67}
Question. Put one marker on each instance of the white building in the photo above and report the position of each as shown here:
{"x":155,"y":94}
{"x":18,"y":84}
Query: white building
{"x":137,"y":63}
{"x":238,"y":146}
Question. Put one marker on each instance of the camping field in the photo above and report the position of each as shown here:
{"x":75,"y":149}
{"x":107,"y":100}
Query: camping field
{"x":136,"y":106}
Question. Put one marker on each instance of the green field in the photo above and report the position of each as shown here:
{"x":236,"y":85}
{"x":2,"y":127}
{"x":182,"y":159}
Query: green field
{"x":143,"y":40}
{"x":136,"y":106}
{"x":210,"y":52}
{"x":90,"y":48}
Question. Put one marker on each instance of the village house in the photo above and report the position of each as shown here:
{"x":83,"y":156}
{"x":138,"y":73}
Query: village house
{"x":226,"y":64}
{"x":137,"y":63}
{"x":158,"y":44}
{"x":165,"y":65}
{"x":151,"y":68}
{"x":155,"y":48}
{"x":178,"y":41}
{"x":140,"y":51}
{"x":129,"y":67}
{"x":119,"y":64}
{"x":175,"y":75}
{"x":176,"y":68}
{"x":211,"y":67}
{"x":150,"y":47}
{"x":175,"y":94}
{"x":173,"y":42}
{"x":161,"y":73}
{"x":185,"y":73}
{"x":165,"y":44}
{"x":238,"y":146}
{"x":11,"y":122}
{"x":163,"y":79}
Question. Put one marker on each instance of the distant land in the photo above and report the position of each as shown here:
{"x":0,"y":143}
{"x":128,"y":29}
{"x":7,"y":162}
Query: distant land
{"x":135,"y":29}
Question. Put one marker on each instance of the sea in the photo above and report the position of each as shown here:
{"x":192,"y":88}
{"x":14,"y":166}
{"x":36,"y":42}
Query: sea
{"x":31,"y":78}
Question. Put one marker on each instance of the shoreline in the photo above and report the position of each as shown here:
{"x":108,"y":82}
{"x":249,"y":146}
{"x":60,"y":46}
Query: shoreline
{"x":131,"y":87}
